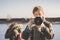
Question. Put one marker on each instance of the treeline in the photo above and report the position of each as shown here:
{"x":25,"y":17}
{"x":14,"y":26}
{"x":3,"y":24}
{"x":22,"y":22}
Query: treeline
{"x":53,"y":20}
{"x":24,"y":20}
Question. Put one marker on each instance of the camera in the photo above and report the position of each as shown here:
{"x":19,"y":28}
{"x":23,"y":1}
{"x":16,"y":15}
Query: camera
{"x":38,"y":20}
{"x":19,"y":30}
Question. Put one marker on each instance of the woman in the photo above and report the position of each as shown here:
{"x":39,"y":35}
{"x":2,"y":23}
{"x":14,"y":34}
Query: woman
{"x":10,"y":33}
{"x":38,"y":32}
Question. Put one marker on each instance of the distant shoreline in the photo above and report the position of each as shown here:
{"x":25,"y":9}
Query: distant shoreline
{"x":25,"y":20}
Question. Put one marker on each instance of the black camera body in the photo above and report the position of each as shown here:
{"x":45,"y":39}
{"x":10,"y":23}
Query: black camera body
{"x":38,"y":20}
{"x":19,"y":30}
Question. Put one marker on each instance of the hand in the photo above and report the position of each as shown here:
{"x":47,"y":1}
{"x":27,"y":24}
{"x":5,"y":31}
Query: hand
{"x":30,"y":23}
{"x":43,"y":18}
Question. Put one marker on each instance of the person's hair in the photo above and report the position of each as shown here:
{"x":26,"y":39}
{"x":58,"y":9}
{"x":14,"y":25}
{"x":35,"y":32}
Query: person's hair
{"x":37,"y":8}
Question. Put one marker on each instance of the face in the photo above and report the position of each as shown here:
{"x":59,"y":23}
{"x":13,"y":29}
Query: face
{"x":38,"y":13}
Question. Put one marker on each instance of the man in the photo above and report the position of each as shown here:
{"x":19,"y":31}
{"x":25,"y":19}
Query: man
{"x":14,"y":32}
{"x":42,"y":31}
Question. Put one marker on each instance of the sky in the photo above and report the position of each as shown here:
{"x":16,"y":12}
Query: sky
{"x":23,"y":8}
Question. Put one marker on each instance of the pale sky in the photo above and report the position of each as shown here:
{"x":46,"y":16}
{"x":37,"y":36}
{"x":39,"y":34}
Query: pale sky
{"x":23,"y":8}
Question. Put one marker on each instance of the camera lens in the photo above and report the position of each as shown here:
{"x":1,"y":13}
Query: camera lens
{"x":38,"y":21}
{"x":19,"y":30}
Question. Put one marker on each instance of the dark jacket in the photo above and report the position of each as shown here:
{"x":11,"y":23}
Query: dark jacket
{"x":11,"y":34}
{"x":34,"y":34}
